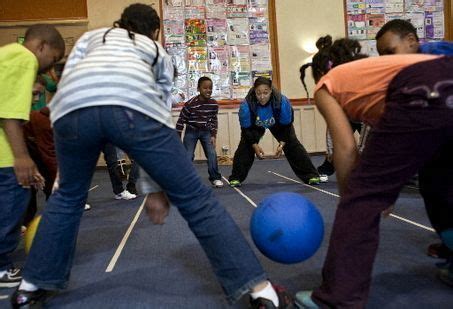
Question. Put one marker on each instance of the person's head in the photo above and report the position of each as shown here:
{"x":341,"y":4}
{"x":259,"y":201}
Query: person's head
{"x":331,"y":54}
{"x":46,"y":43}
{"x":397,"y":37}
{"x":140,"y":18}
{"x":263,"y":89}
{"x":205,"y":87}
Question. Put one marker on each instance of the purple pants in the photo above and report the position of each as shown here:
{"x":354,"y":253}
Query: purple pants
{"x":414,"y":134}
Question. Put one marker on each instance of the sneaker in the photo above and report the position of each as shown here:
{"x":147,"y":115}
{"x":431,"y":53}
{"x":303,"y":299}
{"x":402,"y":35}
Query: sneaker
{"x":131,"y":188}
{"x":303,"y":300}
{"x":439,"y":250}
{"x":11,"y":278}
{"x":26,"y":299}
{"x":217,"y":183}
{"x":326,"y":168}
{"x":323,"y":178}
{"x":125,"y":195}
{"x":87,"y":207}
{"x":445,"y":272}
{"x":314,"y":181}
{"x":234,"y":183}
{"x":285,"y":300}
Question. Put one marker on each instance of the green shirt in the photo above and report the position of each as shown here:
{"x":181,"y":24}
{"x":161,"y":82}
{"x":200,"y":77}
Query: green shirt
{"x":18,"y":69}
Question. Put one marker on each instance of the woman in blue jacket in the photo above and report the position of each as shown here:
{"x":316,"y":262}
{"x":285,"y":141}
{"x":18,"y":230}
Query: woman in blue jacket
{"x":266,"y":108}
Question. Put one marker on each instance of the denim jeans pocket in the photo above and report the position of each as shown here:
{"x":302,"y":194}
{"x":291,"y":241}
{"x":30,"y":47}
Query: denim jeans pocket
{"x":67,"y":127}
{"x":133,"y":125}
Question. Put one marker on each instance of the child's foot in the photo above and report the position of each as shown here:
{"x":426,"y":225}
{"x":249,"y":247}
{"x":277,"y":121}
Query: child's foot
{"x":285,"y":300}
{"x":323,"y":178}
{"x":326,"y":168}
{"x":26,"y":299}
{"x":314,"y":181}
{"x":10,"y":277}
{"x":235,"y":183}
{"x":125,"y":195}
{"x":217,"y":183}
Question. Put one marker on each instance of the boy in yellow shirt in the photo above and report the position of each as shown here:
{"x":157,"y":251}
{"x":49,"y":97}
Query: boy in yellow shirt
{"x":19,"y":65}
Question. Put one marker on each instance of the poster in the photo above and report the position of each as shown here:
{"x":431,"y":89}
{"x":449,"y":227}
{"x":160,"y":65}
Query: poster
{"x":258,"y":30}
{"x":174,"y":33}
{"x":216,"y":32}
{"x":238,"y":31}
{"x":239,"y":58}
{"x":218,"y":59}
{"x":260,"y":57}
{"x":374,"y":22}
{"x":357,"y":27}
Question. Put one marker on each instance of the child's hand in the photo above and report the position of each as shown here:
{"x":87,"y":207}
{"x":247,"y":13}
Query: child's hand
{"x":213,"y":139}
{"x":157,"y":207}
{"x":38,"y":181}
{"x":279,"y":151}
{"x":258,"y":151}
{"x":25,"y":170}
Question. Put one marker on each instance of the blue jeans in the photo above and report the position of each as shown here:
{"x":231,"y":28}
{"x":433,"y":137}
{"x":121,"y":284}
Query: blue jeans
{"x":79,"y":137}
{"x":191,"y":137}
{"x":13,"y":203}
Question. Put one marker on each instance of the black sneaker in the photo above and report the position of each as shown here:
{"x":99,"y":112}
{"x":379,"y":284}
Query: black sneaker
{"x":285,"y":300}
{"x":326,"y":168}
{"x":25,"y":299}
{"x":11,"y":279}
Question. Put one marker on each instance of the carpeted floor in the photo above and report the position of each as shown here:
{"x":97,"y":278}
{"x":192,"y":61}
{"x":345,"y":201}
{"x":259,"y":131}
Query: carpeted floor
{"x":164,"y":267}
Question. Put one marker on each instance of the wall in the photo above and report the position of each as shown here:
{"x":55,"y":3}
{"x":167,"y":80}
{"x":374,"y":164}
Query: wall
{"x":299,"y":25}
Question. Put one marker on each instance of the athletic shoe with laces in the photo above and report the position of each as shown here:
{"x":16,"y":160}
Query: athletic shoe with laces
{"x":445,"y":272}
{"x":125,"y":195}
{"x":26,"y":299}
{"x":234,"y":183}
{"x":217,"y":183}
{"x":323,"y":178}
{"x":11,"y":278}
{"x":304,"y":300}
{"x":314,"y":181}
{"x":285,"y":300}
{"x":326,"y":168}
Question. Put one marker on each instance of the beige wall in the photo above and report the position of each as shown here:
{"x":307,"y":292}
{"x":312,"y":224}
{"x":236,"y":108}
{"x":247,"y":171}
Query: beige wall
{"x":299,"y":24}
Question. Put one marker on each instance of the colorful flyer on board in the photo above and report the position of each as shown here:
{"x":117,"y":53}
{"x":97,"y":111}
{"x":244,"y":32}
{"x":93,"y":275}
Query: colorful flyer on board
{"x":357,"y":27}
{"x":218,"y":59}
{"x":266,"y":74}
{"x":221,"y":85}
{"x":195,"y":12}
{"x":241,"y":81}
{"x":178,"y":56}
{"x":174,"y":3}
{"x":260,"y":57}
{"x":236,"y":11}
{"x":194,"y":3}
{"x":216,"y":32}
{"x":394,"y":6}
{"x":174,"y":32}
{"x":258,"y":29}
{"x":216,"y":11}
{"x":238,"y":31}
{"x":438,"y":22}
{"x":369,"y":47}
{"x":417,"y":19}
{"x":239,"y":58}
{"x":174,"y":13}
{"x":375,"y":6}
{"x":356,"y":7}
{"x":197,"y":59}
{"x":374,"y":22}
{"x":195,"y":32}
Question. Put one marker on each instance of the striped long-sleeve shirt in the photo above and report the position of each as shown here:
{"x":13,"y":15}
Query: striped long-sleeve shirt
{"x":199,"y":114}
{"x":137,"y":74}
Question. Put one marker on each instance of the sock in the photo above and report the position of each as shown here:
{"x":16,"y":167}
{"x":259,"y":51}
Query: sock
{"x":447,"y":238}
{"x":27,"y":286}
{"x":268,"y":293}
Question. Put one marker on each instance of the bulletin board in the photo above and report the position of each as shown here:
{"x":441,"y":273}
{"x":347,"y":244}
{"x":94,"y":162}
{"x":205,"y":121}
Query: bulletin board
{"x":364,"y":19}
{"x":229,"y":41}
{"x":30,"y":10}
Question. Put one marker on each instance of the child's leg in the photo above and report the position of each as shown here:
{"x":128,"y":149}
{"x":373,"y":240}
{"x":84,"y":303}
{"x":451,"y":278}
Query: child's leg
{"x":160,"y":153}
{"x":295,"y":153}
{"x":211,"y":155}
{"x":111,"y":160}
{"x":78,"y":142}
{"x":190,"y":141}
{"x":242,"y":160}
{"x":13,"y":203}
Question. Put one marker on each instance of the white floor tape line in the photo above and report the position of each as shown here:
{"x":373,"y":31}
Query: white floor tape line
{"x":124,"y":240}
{"x":242,"y":194}
{"x":336,"y":195}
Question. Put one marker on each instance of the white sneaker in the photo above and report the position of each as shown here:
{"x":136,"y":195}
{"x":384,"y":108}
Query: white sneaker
{"x":87,"y":207}
{"x":125,"y":195}
{"x":217,"y":183}
{"x":323,"y":178}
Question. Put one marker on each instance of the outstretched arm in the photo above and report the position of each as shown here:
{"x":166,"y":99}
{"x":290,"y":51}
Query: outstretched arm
{"x":345,"y":150}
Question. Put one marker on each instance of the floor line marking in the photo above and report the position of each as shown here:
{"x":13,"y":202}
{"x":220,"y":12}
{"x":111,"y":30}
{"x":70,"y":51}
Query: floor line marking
{"x":242,"y":194}
{"x":93,"y":188}
{"x":124,"y":240}
{"x":336,"y":195}
{"x":4,"y":296}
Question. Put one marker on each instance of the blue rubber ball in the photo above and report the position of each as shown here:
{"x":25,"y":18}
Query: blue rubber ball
{"x":287,"y":228}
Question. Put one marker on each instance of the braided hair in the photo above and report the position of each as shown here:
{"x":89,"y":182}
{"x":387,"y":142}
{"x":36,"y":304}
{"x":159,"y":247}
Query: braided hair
{"x":331,"y":55}
{"x":137,"y":18}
